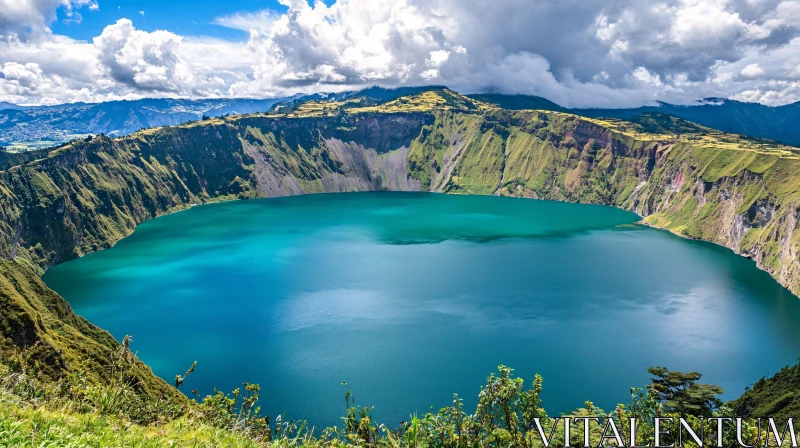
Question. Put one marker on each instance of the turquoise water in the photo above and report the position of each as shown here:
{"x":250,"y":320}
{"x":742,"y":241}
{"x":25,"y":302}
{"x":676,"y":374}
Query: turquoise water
{"x":412,"y":297}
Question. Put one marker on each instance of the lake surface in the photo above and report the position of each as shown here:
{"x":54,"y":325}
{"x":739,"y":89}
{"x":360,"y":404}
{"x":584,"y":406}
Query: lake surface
{"x":412,"y":297}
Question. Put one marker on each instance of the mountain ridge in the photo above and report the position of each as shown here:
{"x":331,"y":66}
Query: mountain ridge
{"x":388,"y":124}
{"x":41,"y":126}
{"x":752,"y":119}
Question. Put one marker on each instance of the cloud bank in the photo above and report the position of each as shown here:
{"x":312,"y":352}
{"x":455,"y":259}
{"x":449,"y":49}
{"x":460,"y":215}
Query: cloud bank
{"x":615,"y":53}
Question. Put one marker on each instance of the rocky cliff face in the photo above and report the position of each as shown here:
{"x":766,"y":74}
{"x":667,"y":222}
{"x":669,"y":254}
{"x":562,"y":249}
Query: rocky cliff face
{"x":87,"y":195}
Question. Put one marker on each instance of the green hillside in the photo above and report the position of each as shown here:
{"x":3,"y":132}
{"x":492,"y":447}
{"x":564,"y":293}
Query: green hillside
{"x":739,"y":192}
{"x":778,"y":395}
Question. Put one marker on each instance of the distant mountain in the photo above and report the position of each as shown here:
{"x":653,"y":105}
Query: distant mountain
{"x":369,"y":96}
{"x":401,"y":99}
{"x":519,"y":102}
{"x":4,"y":105}
{"x":35,"y":127}
{"x":382,"y":94}
{"x":756,"y":120}
{"x":781,"y":123}
{"x":294,"y":102}
{"x":47,"y":125}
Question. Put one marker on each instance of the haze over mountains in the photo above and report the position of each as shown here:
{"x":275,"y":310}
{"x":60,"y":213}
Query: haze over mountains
{"x":41,"y":126}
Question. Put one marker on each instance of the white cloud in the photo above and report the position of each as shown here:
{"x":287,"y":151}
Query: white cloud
{"x":705,"y":24}
{"x":248,"y":21}
{"x":438,"y":57}
{"x":351,"y":43}
{"x":19,"y":82}
{"x":152,"y":61}
{"x":752,"y":71}
{"x":430,"y":74}
{"x":577,"y":53}
{"x":141,"y":59}
{"x":644,"y":76}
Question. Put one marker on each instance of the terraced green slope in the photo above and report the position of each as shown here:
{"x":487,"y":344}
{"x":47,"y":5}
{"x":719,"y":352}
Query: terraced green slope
{"x":737,"y":192}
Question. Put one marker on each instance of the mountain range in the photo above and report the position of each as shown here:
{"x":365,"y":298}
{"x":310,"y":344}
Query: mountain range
{"x":752,"y":119}
{"x":41,"y":126}
{"x":29,"y":127}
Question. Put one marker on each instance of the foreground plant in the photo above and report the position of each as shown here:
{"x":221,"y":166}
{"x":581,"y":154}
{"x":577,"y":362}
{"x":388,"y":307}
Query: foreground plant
{"x":73,"y":412}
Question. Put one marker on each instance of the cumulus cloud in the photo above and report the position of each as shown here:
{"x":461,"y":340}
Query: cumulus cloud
{"x":582,"y":54}
{"x":151,"y":61}
{"x":752,"y":71}
{"x":140,"y":59}
{"x":22,"y":81}
{"x":585,"y":54}
{"x":350,"y":43}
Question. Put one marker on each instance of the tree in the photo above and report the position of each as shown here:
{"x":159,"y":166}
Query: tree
{"x":681,"y":393}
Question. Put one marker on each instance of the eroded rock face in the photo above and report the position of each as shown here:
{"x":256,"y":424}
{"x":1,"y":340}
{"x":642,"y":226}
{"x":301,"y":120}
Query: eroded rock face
{"x":761,"y":213}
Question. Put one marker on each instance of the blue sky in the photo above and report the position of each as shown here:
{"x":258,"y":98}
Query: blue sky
{"x":183,"y":17}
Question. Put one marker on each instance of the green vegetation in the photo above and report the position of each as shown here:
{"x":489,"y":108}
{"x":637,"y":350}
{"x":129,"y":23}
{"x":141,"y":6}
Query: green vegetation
{"x":10,"y":158}
{"x":88,"y":194}
{"x":39,"y":333}
{"x":681,"y":393}
{"x":757,"y":120}
{"x":74,"y":413}
{"x":778,"y":396}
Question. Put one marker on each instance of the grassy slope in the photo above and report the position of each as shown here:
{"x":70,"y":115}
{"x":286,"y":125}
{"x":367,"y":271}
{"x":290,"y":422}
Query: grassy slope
{"x":33,"y":313}
{"x":9,"y":159}
{"x":23,"y":425}
{"x":85,"y":196}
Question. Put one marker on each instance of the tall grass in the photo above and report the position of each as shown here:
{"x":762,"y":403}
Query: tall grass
{"x":74,"y":413}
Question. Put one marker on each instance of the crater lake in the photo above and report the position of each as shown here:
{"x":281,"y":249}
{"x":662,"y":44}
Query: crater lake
{"x":411,"y":297}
